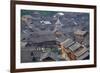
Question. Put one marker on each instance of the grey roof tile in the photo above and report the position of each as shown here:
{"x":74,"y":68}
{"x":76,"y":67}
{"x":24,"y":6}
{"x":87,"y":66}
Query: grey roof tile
{"x":49,"y":54}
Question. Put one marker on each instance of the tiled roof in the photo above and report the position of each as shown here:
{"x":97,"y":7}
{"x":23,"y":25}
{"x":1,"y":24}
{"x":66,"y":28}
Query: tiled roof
{"x":42,"y":37}
{"x":83,"y":56}
{"x":80,"y":32}
{"x":49,"y":54}
{"x":67,"y":43}
{"x":37,"y":54}
{"x":74,"y":46}
{"x":80,"y":52}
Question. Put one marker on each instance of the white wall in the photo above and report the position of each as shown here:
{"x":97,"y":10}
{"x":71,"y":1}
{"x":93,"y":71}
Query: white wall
{"x":5,"y":36}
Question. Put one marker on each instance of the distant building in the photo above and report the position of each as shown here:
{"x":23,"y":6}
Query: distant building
{"x":45,"y":22}
{"x":80,"y":35}
{"x":36,"y":16}
{"x":36,"y":54}
{"x":23,"y":44}
{"x":57,"y":15}
{"x":58,"y":25}
{"x":27,"y":19}
{"x":58,"y":30}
